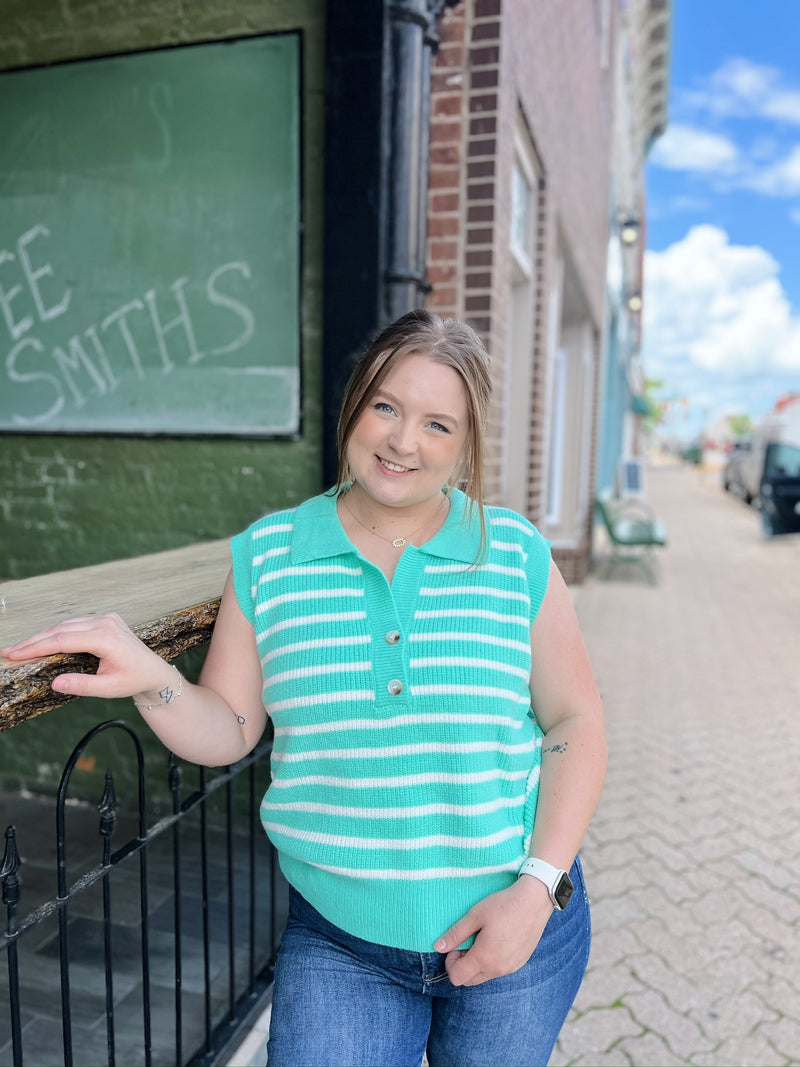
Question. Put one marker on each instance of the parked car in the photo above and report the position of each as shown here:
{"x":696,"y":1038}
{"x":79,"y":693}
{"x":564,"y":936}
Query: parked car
{"x":779,"y":427}
{"x":693,"y":453}
{"x":733,"y":473}
{"x":779,"y":491}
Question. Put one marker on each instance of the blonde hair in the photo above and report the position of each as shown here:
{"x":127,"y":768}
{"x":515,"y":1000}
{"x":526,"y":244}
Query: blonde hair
{"x":446,"y":341}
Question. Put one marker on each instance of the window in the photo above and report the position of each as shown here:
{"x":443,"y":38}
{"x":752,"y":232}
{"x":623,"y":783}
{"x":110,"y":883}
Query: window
{"x":521,"y":203}
{"x":521,"y":320}
{"x":782,"y":461}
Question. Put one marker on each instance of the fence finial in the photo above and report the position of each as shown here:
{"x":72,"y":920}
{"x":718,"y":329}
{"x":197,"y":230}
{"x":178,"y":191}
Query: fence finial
{"x":9,"y":868}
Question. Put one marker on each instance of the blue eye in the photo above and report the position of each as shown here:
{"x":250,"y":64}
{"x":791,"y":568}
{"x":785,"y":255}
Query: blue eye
{"x":381,"y":405}
{"x":438,"y":426}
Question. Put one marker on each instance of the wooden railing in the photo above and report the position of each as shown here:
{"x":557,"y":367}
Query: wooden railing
{"x":170,"y":600}
{"x":207,"y":849}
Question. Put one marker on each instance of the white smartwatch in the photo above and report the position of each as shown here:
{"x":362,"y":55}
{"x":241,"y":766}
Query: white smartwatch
{"x":558,"y":882}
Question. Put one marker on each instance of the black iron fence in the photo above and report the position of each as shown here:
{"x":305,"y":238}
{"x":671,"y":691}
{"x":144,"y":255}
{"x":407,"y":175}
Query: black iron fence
{"x":159,"y":943}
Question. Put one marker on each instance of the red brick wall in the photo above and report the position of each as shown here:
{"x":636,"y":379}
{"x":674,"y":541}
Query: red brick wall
{"x":499,"y":59}
{"x":446,"y":196}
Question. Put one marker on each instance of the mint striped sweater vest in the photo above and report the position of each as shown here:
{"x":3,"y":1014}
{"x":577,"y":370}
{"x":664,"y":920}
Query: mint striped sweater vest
{"x":406,"y":755}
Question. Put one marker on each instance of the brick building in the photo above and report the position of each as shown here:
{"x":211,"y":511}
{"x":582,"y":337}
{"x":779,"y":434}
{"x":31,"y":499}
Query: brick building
{"x":450,"y":154}
{"x":517,"y":236}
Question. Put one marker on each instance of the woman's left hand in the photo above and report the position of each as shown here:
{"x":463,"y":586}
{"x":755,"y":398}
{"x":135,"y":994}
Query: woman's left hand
{"x":507,"y":925}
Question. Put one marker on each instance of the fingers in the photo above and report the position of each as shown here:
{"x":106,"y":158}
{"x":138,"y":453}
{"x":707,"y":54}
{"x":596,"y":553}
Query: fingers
{"x":87,"y":633}
{"x":486,"y":959}
{"x":126,"y":664}
{"x":109,"y":686}
{"x":459,"y":932}
{"x":507,"y":930}
{"x":78,"y":685}
{"x":464,"y":968}
{"x":462,"y":965}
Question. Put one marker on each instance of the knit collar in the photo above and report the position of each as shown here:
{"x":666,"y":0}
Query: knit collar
{"x":318,"y":534}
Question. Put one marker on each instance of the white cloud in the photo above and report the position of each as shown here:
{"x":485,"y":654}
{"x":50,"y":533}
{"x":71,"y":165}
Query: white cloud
{"x":686,"y":148}
{"x":743,"y":89}
{"x":718,"y":325}
{"x":717,"y":319}
{"x":724,"y":166}
{"x":767,"y":163}
{"x":781,"y":178}
{"x":788,"y":355}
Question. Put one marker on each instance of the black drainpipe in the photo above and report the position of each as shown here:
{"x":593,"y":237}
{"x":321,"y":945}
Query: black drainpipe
{"x":377,"y":101}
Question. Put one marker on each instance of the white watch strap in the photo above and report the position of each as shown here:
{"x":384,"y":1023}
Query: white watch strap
{"x":542,"y":870}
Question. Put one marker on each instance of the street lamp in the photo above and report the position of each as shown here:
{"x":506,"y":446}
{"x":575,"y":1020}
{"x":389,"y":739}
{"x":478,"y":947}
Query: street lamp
{"x":629,"y":231}
{"x":635,"y":302}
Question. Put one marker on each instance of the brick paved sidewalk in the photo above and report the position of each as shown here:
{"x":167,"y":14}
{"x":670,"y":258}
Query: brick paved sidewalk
{"x":693,"y":860}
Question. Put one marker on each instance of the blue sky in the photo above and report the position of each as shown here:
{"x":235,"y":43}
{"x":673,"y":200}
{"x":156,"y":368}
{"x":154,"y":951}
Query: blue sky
{"x":722,"y":264}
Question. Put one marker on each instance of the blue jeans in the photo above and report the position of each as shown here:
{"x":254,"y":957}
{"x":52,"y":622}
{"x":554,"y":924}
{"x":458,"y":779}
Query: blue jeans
{"x":344,"y":1002}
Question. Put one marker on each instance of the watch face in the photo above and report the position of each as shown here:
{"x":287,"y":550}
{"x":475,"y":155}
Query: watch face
{"x":563,"y":891}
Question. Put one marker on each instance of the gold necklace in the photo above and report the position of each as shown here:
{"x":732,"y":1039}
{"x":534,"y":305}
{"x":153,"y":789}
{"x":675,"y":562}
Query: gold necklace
{"x":397,"y":542}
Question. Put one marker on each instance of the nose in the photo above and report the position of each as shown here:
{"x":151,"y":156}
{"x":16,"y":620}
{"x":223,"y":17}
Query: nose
{"x":403,"y":438}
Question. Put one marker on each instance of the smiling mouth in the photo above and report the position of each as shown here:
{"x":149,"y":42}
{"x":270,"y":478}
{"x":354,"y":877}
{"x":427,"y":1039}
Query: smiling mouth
{"x":396,"y":468}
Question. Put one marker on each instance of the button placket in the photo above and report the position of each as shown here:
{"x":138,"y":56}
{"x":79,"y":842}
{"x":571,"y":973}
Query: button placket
{"x":395,"y":685}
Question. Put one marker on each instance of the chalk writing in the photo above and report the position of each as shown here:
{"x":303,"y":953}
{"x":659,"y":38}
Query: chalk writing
{"x":17,"y":327}
{"x":95,"y":361}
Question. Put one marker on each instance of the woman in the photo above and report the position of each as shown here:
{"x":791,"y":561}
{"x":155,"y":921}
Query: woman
{"x":439,"y":746}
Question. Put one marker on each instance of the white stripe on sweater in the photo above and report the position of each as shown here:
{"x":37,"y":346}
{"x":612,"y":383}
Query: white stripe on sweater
{"x":395,"y":844}
{"x":466,"y":590}
{"x":283,"y":551}
{"x":506,"y":520}
{"x":391,"y":751}
{"x":319,"y":669}
{"x":420,"y":719}
{"x":428,"y":874}
{"x":310,"y":620}
{"x":319,"y":642}
{"x":467,"y":661}
{"x":342,"y":811}
{"x":473,"y":613}
{"x":321,"y":698}
{"x":470,"y":690}
{"x":311,"y":594}
{"x":306,"y":568}
{"x":400,"y":780}
{"x":483,"y":568}
{"x":473,"y":638}
{"x":509,"y":546}
{"x":266,"y":531}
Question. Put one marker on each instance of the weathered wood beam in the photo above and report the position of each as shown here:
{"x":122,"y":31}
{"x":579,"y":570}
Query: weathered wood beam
{"x":169,"y":599}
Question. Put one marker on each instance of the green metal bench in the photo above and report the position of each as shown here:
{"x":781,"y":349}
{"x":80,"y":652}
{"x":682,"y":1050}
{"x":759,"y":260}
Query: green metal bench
{"x":633,"y":530}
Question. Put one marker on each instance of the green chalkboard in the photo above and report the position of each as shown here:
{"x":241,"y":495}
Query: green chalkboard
{"x":150,"y":242}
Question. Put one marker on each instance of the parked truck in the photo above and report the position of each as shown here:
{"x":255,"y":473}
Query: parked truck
{"x":770,"y":469}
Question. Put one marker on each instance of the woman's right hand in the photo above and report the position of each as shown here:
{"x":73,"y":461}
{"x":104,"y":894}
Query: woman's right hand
{"x":127,"y":666}
{"x":215,"y":722}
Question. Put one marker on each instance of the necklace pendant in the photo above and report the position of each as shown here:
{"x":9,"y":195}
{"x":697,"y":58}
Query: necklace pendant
{"x":399,"y":542}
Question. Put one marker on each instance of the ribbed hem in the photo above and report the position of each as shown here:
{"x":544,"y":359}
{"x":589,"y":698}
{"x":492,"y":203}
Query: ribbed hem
{"x":400,"y":914}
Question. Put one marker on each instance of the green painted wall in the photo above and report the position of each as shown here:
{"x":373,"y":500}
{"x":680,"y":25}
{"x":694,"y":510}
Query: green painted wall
{"x":71,"y":501}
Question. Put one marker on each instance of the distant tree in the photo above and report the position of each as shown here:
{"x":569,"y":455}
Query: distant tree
{"x":741,"y":425}
{"x":656,"y":412}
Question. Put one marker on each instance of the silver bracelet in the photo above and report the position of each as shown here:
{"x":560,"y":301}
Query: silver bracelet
{"x":168,"y":693}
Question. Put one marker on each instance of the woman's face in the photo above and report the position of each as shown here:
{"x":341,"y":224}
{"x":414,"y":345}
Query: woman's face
{"x":412,"y":434}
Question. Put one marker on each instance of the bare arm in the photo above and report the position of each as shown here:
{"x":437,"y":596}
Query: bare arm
{"x":510,"y":923}
{"x":568,"y":707}
{"x":213,"y":723}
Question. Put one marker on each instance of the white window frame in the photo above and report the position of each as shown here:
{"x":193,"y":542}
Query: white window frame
{"x":521,"y":326}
